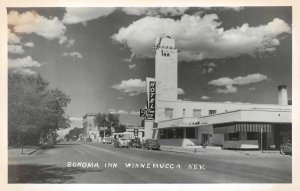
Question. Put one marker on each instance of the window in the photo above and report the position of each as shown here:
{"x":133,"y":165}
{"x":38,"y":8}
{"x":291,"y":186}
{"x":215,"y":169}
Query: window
{"x":179,"y":133}
{"x":211,"y":112}
{"x":252,"y":136}
{"x":169,"y":113}
{"x":196,"y":112}
{"x":183,"y":113}
{"x":163,"y":133}
{"x":190,"y":133}
{"x":233,"y":136}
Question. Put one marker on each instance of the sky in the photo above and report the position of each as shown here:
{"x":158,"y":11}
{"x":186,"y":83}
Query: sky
{"x":100,"y":57}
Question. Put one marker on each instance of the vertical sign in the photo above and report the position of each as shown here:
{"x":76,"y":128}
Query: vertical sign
{"x":151,"y":100}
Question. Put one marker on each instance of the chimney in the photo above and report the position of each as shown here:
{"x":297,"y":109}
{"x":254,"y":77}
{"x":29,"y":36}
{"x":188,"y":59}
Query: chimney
{"x":282,"y":95}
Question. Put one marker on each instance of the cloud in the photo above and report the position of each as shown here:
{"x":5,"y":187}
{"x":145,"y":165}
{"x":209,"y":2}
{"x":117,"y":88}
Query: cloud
{"x":31,"y":22}
{"x":132,"y":86}
{"x":75,"y":118}
{"x":252,"y":89}
{"x":13,"y":38}
{"x":134,"y":113}
{"x":155,"y":11}
{"x":123,"y":112}
{"x":120,"y":112}
{"x":24,"y":62}
{"x":129,"y":59}
{"x":24,"y":71}
{"x":120,"y":98}
{"x":15,"y":49}
{"x":205,"y":97}
{"x":209,"y":68}
{"x":214,"y":41}
{"x":131,"y":66}
{"x":73,"y":54}
{"x":75,"y":15}
{"x":29,"y":44}
{"x":180,"y":91}
{"x":240,"y":80}
{"x":227,"y":90}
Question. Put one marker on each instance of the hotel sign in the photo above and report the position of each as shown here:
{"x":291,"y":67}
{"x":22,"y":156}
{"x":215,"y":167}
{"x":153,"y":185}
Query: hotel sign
{"x":149,"y":112}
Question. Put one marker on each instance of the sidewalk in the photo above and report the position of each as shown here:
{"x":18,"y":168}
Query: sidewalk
{"x":217,"y":150}
{"x":27,"y":150}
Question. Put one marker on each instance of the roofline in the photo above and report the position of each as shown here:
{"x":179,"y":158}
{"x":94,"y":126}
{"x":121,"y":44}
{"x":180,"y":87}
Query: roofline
{"x":234,"y":103}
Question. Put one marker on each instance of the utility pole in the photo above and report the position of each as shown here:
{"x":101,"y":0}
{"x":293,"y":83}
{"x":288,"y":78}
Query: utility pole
{"x":261,"y":139}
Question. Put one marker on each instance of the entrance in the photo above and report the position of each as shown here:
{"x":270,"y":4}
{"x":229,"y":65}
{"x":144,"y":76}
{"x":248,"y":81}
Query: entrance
{"x":205,"y":138}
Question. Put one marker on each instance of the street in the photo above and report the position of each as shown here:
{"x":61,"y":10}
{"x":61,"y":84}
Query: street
{"x":79,"y":162}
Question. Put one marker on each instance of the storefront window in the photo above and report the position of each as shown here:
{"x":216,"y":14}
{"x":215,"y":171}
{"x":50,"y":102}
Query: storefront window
{"x":163,"y":133}
{"x":190,"y":133}
{"x":179,"y":133}
{"x":233,"y":136}
{"x":252,"y":136}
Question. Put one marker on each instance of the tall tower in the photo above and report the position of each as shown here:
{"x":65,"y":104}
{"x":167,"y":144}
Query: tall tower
{"x":166,"y":68}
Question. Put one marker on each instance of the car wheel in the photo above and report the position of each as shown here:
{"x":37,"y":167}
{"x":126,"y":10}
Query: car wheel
{"x":282,"y":151}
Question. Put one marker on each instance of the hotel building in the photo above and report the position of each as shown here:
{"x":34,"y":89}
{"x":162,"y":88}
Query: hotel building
{"x":230,"y":125}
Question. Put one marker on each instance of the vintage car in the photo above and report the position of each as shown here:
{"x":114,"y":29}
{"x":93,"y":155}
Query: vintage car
{"x":151,"y":144}
{"x":121,"y":142}
{"x":88,"y":140}
{"x":106,"y":140}
{"x":136,"y":143}
{"x":286,"y":148}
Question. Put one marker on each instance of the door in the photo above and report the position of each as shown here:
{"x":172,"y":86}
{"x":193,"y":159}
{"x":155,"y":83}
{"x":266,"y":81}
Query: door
{"x":205,"y":138}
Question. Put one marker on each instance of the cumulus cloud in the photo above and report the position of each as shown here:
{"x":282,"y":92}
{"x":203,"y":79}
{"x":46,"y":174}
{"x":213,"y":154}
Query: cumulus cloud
{"x":24,"y":71}
{"x":132,"y":86}
{"x":75,"y":118}
{"x":31,"y":22}
{"x":180,"y":91}
{"x":13,"y":38}
{"x":214,"y":41}
{"x":208,"y":68}
{"x":134,"y":113}
{"x":240,"y":80}
{"x":15,"y":49}
{"x":155,"y":11}
{"x":29,"y":44}
{"x":73,"y":54}
{"x":113,"y":111}
{"x":205,"y":97}
{"x":129,"y":59}
{"x":131,"y":66}
{"x":24,"y":62}
{"x":75,"y":15}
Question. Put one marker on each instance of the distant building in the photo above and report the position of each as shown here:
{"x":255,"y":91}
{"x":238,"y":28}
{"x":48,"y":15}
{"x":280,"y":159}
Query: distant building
{"x":231,"y":125}
{"x":90,"y":128}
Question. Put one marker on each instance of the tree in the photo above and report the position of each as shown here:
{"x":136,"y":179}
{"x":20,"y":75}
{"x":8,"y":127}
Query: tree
{"x":33,"y":108}
{"x":108,"y":120}
{"x":74,"y":133}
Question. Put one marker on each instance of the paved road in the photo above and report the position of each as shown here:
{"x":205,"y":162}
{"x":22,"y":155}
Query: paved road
{"x":98,"y":163}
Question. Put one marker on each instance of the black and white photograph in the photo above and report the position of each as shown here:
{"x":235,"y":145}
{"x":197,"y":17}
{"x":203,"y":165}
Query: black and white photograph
{"x":149,"y":95}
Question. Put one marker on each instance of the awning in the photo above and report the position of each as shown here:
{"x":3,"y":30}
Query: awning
{"x":241,"y":127}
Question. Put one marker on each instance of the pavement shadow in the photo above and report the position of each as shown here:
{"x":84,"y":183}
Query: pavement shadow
{"x":44,"y":173}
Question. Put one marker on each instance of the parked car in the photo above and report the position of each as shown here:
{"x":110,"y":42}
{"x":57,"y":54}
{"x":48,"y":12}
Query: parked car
{"x":121,"y":142}
{"x":136,"y":143}
{"x":106,"y":140}
{"x":88,"y":140}
{"x":286,"y":148}
{"x":151,"y":144}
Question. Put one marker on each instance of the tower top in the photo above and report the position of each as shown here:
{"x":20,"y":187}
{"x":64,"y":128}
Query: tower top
{"x":164,"y":41}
